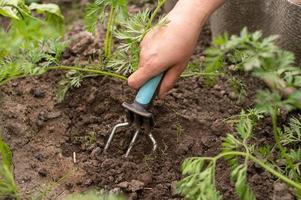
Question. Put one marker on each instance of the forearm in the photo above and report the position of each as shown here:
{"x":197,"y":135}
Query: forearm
{"x":197,"y":12}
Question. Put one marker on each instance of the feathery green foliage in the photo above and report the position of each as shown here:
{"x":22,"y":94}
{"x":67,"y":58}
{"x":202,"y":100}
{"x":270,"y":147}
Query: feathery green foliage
{"x":8,"y":186}
{"x":96,"y":12}
{"x":199,"y":172}
{"x":125,"y":59}
{"x":252,"y":53}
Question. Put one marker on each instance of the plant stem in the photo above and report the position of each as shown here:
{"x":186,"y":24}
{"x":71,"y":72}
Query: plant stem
{"x":109,"y":36}
{"x":69,"y":68}
{"x":257,"y":161}
{"x":12,"y":78}
{"x":199,"y":74}
{"x":263,"y":165}
{"x":278,"y":143}
{"x":87,"y":70}
{"x":155,"y":13}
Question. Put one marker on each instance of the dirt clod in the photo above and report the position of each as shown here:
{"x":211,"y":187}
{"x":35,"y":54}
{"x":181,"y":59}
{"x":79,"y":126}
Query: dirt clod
{"x":37,"y":92}
{"x":282,"y":192}
{"x":43,"y":172}
{"x":173,"y":188}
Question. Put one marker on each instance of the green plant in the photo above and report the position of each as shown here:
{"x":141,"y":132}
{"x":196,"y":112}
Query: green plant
{"x":96,"y":12}
{"x":8,"y":186}
{"x":199,"y":172}
{"x":125,"y":59}
{"x":87,"y":140}
{"x":18,"y":10}
{"x":251,"y":52}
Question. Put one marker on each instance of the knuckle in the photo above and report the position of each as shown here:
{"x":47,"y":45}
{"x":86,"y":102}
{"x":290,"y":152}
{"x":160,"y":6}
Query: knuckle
{"x":132,"y":82}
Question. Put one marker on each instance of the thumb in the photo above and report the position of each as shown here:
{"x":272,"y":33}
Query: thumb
{"x":144,"y":73}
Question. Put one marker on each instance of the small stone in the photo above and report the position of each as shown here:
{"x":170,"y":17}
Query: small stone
{"x":43,"y":172}
{"x":54,"y":115}
{"x":136,"y":185}
{"x":282,"y":192}
{"x":222,"y":92}
{"x":123,"y":185}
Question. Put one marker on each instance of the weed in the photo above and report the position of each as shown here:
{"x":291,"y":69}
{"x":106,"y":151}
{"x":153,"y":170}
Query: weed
{"x":88,"y":140}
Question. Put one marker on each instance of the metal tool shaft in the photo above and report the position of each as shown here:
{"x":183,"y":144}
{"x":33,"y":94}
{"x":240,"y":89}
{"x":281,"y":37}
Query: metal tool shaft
{"x":150,"y":135}
{"x":113,"y":133}
{"x":132,"y":143}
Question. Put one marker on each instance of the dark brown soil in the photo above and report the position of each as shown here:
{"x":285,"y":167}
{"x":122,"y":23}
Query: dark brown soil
{"x":45,"y":136}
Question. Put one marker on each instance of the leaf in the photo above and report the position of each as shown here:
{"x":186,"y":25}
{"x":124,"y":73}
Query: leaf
{"x":7,"y":183}
{"x":199,"y":182}
{"x":48,"y":8}
{"x":6,"y":155}
{"x":242,"y":188}
{"x":94,"y":14}
{"x":52,"y":13}
{"x":13,"y":8}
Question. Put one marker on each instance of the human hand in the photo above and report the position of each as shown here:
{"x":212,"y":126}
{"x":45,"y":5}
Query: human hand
{"x":169,"y":47}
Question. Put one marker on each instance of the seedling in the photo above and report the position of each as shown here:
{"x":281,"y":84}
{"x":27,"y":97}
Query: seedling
{"x":199,"y":172}
{"x":96,"y":12}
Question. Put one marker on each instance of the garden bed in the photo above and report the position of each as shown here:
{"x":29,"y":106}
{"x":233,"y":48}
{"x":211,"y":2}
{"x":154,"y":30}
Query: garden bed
{"x":57,"y":147}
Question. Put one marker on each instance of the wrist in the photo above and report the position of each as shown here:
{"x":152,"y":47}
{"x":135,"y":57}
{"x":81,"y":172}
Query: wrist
{"x":197,"y":11}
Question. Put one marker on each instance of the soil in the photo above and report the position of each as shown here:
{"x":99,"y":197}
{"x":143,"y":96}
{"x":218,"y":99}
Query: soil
{"x":44,"y":136}
{"x":58,"y":148}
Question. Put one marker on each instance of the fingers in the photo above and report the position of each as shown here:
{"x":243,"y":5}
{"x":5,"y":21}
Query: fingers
{"x":170,"y":79}
{"x":146,"y":71}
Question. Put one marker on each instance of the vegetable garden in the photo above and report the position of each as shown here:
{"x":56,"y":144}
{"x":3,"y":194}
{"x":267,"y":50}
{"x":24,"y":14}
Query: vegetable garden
{"x":230,"y":129}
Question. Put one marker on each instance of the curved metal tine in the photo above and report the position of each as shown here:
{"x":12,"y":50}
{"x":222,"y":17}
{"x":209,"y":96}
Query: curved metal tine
{"x":112,"y":134}
{"x":132,"y":143}
{"x":150,"y":135}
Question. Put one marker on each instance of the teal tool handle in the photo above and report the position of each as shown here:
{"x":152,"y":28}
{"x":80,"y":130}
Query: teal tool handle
{"x":147,"y":92}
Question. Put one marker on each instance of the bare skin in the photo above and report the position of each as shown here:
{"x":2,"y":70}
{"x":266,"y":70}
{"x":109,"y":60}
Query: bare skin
{"x":169,"y":48}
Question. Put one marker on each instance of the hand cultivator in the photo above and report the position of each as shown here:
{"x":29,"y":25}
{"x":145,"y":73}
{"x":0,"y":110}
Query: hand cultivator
{"x":137,"y":114}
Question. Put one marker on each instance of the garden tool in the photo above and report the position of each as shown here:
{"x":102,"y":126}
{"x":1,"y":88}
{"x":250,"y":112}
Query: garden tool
{"x":137,"y":114}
